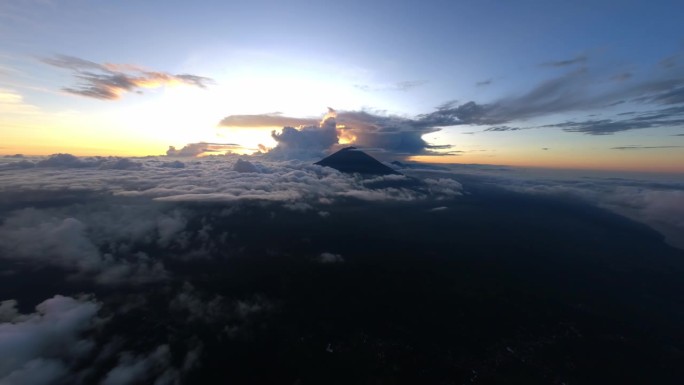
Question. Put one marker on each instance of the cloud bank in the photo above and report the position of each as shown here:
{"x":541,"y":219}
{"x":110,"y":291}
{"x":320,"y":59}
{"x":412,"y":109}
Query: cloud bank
{"x":657,"y":202}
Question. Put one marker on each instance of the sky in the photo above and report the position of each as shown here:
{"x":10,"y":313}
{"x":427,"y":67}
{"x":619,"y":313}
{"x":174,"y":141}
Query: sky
{"x":559,"y":84}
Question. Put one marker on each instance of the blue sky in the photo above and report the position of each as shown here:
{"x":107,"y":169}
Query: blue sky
{"x":535,"y":67}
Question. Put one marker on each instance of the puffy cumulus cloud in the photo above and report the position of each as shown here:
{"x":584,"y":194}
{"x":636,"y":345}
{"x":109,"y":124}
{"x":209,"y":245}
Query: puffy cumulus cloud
{"x":202,"y":148}
{"x":330,"y":258}
{"x":47,"y":346}
{"x":62,"y":342}
{"x":234,"y":316}
{"x":244,"y":166}
{"x":191,"y":302}
{"x":306,"y":142}
{"x":120,"y":164}
{"x":110,"y":81}
{"x":63,"y":160}
{"x":393,"y":135}
{"x":154,"y":367}
{"x":103,"y":244}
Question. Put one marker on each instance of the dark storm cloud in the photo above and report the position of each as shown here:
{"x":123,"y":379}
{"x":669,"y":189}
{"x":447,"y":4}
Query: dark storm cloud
{"x":110,"y":81}
{"x":581,"y":59}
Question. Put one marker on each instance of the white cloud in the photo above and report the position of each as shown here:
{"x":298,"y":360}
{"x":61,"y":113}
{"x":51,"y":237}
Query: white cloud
{"x":133,"y":369}
{"x":330,"y":258}
{"x":42,"y":347}
{"x":657,"y":201}
{"x":75,"y":243}
{"x":215,"y":179}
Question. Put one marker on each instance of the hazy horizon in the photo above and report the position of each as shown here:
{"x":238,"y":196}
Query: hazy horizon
{"x":562,"y":85}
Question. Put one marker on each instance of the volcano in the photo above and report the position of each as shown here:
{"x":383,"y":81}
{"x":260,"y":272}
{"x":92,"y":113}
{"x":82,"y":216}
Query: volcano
{"x":353,"y":160}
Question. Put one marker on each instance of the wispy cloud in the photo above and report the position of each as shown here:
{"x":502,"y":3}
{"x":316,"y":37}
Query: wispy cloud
{"x":110,"y":81}
{"x":667,"y":117}
{"x":399,"y":86}
{"x":575,"y":91}
{"x":622,"y":76}
{"x":638,"y":147}
{"x":265,"y":120}
{"x":581,"y":59}
{"x":201,"y":148}
{"x":669,"y":62}
{"x":12,"y":103}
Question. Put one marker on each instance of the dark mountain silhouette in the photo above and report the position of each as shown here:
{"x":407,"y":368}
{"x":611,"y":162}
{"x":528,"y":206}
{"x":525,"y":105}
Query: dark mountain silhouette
{"x":353,"y":160}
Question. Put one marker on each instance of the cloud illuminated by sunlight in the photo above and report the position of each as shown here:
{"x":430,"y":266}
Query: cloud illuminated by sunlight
{"x":110,"y":81}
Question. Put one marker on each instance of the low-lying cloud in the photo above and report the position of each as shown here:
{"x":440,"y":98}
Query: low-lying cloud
{"x":46,"y":346}
{"x":657,"y":202}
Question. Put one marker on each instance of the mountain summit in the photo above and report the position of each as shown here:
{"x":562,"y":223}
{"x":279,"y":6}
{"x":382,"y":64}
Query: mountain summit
{"x":353,"y":160}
